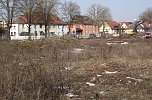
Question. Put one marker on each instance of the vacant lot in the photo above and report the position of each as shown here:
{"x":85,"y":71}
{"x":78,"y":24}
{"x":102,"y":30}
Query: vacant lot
{"x":66,"y":69}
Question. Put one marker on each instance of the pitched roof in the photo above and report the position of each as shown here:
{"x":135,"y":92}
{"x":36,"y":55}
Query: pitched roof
{"x":147,"y":25}
{"x":37,"y":18}
{"x":79,"y":19}
{"x":127,"y":23}
{"x":114,"y":25}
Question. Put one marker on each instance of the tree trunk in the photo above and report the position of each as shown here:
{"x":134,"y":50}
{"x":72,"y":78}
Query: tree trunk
{"x":46,"y":28}
{"x":8,"y":37}
{"x":29,"y":25}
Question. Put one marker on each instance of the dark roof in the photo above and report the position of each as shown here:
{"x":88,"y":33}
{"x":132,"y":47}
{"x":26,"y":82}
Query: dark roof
{"x":79,"y":19}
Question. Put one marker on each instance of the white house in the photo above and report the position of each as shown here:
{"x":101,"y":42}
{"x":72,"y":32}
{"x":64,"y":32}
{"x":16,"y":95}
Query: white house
{"x":110,"y":28}
{"x":19,"y":29}
{"x":58,"y":30}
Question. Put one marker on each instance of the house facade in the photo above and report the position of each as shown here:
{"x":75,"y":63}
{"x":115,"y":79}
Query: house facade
{"x":111,"y":28}
{"x":58,"y":30}
{"x":19,"y":29}
{"x":83,"y":27}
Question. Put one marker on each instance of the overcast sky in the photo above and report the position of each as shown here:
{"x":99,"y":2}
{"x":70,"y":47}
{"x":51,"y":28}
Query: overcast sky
{"x":122,"y":10}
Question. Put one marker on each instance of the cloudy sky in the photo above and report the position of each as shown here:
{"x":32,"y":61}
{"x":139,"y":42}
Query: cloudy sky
{"x":122,"y":10}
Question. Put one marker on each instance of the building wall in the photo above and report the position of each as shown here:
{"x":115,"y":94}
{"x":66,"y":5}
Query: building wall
{"x":107,"y":29}
{"x":87,"y":29}
{"x":58,"y":30}
{"x":37,"y":31}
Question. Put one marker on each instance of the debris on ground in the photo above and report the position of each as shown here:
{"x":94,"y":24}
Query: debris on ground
{"x":137,"y":80}
{"x":71,"y":95}
{"x":108,"y":72}
{"x":90,"y":84}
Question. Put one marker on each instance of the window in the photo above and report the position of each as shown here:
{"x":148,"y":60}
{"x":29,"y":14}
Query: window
{"x":14,"y":33}
{"x":11,"y":33}
{"x":22,"y":26}
{"x":42,"y":33}
{"x":35,"y":33}
{"x":14,"y":27}
{"x":24,"y":34}
{"x":40,"y":25}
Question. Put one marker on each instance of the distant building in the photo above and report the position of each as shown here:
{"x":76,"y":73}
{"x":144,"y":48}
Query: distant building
{"x":111,"y":28}
{"x":19,"y":29}
{"x":83,"y":27}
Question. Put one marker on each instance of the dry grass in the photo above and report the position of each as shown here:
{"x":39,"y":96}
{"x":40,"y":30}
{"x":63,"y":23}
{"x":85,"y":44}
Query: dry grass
{"x":48,"y":69}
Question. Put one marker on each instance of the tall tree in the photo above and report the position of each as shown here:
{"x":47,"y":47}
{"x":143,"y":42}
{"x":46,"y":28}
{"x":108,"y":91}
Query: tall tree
{"x":46,"y":8}
{"x":8,"y":11}
{"x":28,"y":8}
{"x":146,"y":15}
{"x":100,"y":14}
{"x":69,"y":9}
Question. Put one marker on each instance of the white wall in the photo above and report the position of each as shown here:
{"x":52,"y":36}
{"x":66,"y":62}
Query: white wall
{"x":17,"y":29}
{"x":61,"y":30}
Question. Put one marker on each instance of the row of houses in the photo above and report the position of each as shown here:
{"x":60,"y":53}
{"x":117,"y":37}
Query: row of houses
{"x":81,"y":27}
{"x":116,"y":28}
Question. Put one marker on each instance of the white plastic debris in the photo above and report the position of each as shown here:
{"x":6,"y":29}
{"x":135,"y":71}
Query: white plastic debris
{"x":90,"y":84}
{"x":108,"y":72}
{"x":70,"y":95}
{"x":111,"y":43}
{"x":77,"y":50}
{"x":125,"y":43}
{"x":68,"y":68}
{"x":99,"y":75}
{"x":138,"y":80}
{"x":102,"y":93}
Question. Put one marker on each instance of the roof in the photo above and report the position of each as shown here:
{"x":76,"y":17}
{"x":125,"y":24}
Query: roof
{"x":126,"y":23}
{"x":37,"y":18}
{"x":147,"y":25}
{"x":1,"y":25}
{"x":79,"y":19}
{"x":114,"y":25}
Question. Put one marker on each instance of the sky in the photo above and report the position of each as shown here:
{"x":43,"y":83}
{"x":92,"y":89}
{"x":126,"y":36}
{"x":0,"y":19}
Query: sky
{"x":121,"y":10}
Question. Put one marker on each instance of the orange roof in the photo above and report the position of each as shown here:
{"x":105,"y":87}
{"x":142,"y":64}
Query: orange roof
{"x":147,"y":25}
{"x":114,"y":25}
{"x":38,"y":19}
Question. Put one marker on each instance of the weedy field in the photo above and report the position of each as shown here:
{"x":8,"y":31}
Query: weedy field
{"x":68,"y":69}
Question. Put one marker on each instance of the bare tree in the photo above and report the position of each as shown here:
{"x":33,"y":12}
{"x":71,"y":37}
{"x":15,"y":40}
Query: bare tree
{"x":28,"y":8}
{"x":8,"y":10}
{"x":146,"y":15}
{"x":47,"y":7}
{"x":69,"y":10}
{"x":100,"y":14}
